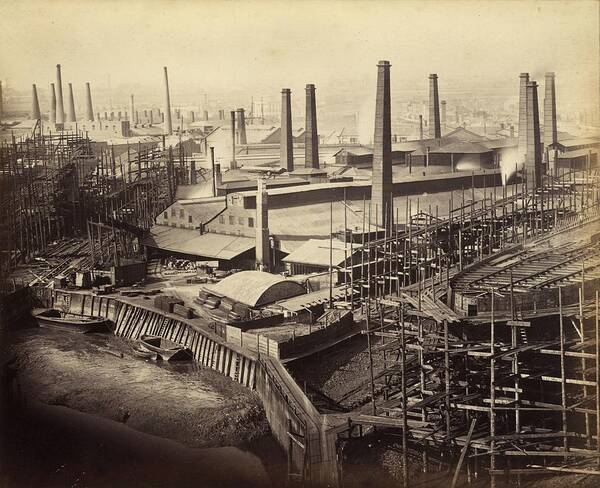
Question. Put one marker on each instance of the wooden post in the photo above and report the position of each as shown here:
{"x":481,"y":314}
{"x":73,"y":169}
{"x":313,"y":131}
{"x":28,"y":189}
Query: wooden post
{"x":404,"y":400}
{"x":597,"y":378}
{"x":492,"y":396}
{"x":563,"y":394}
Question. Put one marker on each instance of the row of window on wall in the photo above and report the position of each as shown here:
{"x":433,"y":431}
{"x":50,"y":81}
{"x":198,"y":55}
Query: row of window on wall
{"x":181,"y":215}
{"x":240,"y":220}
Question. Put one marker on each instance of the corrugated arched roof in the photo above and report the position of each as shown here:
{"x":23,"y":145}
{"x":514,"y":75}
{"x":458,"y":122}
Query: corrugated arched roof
{"x":256,"y":288}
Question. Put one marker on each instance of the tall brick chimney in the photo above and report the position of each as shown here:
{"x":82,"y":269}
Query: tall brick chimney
{"x":550,"y":129}
{"x":443,"y":115}
{"x":241,"y":119}
{"x":131,"y":111}
{"x":52,"y":104}
{"x":420,"y":127}
{"x":263,"y":247}
{"x":193,"y":175}
{"x":71,"y":117}
{"x":286,"y":144}
{"x":35,"y":104}
{"x":381,"y":185}
{"x":311,"y":139}
{"x":233,"y":163}
{"x":168,"y":121}
{"x":60,"y":108}
{"x":533,"y":155}
{"x":522,"y":130}
{"x":435,"y":131}
{"x":89,"y":110}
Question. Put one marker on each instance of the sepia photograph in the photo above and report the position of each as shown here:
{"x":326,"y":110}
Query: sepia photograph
{"x":300,"y":244}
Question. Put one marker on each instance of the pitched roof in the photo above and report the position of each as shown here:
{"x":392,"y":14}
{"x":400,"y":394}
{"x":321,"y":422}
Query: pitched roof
{"x":465,"y":135}
{"x":461,"y":147}
{"x":189,"y":241}
{"x":315,"y":252}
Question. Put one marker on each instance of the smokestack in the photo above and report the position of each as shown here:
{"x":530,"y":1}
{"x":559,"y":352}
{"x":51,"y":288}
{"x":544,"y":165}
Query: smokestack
{"x":71,"y":107}
{"x":443,"y":114}
{"x":35,"y":104}
{"x":192,"y":116}
{"x":420,"y":127}
{"x":60,"y":108}
{"x":206,"y":115}
{"x":52,"y":104}
{"x":242,"y":126}
{"x":263,"y":247}
{"x":381,"y":189}
{"x":522,"y":143}
{"x":1,"y":101}
{"x":131,"y":111}
{"x":311,"y":139}
{"x":550,"y":129}
{"x":151,"y":117}
{"x":533,"y":155}
{"x":216,"y":171}
{"x":89,"y":111}
{"x":286,"y":146}
{"x":434,"y":108}
{"x":193,"y":176}
{"x":233,"y":164}
{"x":168,"y":121}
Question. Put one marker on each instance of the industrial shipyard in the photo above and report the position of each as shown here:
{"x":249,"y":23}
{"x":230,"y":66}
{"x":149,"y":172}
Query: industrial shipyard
{"x":300,"y":244}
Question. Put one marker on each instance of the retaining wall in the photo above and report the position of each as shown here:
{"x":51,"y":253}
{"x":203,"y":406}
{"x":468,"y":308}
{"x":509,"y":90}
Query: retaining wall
{"x":308,"y":437}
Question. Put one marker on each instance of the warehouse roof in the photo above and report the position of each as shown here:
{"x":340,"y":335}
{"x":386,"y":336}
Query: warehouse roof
{"x":461,"y":147}
{"x":256,"y":288}
{"x":189,"y":241}
{"x":315,"y":252}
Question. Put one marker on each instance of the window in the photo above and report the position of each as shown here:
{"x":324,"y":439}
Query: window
{"x":189,"y":219}
{"x":231,"y":220}
{"x":250,"y":222}
{"x":241,"y":220}
{"x":181,"y":213}
{"x":173,"y":212}
{"x":166,"y":215}
{"x":221,"y":219}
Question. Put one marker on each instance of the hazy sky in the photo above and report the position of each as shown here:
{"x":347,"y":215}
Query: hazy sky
{"x":262,"y":46}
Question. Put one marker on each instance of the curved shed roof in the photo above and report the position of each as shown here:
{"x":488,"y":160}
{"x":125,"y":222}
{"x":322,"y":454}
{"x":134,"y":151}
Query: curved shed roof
{"x":256,"y":288}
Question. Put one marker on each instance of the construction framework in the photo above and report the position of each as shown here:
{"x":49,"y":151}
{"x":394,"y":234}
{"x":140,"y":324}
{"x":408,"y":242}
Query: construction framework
{"x":482,"y":341}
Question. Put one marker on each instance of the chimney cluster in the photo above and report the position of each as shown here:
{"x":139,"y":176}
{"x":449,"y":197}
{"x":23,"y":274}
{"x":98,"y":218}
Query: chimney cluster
{"x":530,"y":145}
